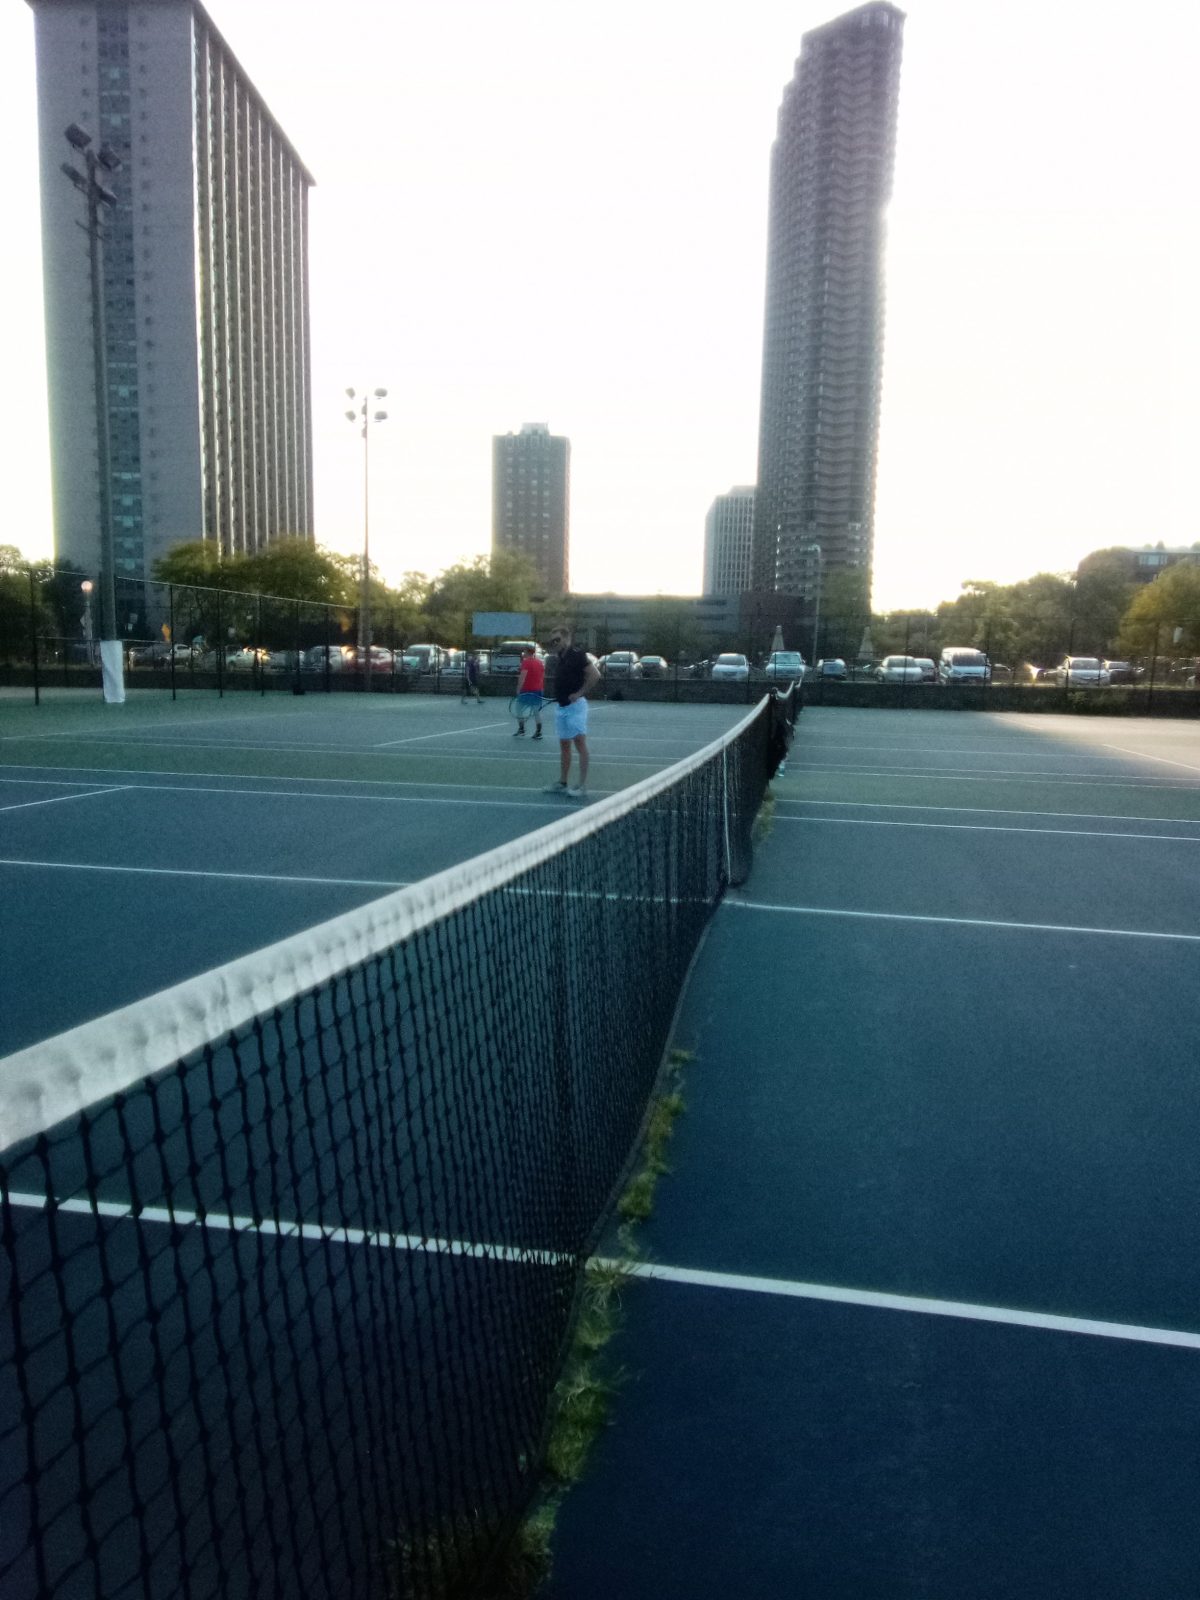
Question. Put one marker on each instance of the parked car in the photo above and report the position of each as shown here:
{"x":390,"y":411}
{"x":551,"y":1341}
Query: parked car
{"x":285,"y":660}
{"x":431,"y":656}
{"x":961,"y":664}
{"x":1080,"y":672}
{"x":898,"y":669}
{"x":832,"y":667}
{"x":381,"y":659}
{"x":622,"y":664}
{"x":1121,"y":671}
{"x":246,"y":659}
{"x":785,"y":666}
{"x":334,"y":657}
{"x":159,"y":654}
{"x":928,"y":669}
{"x":1000,"y":673}
{"x":507,"y":657}
{"x":730,"y":667}
{"x":655,"y":666}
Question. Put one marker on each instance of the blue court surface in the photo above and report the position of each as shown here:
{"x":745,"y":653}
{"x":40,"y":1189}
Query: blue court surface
{"x":147,"y":843}
{"x":926,"y":1313}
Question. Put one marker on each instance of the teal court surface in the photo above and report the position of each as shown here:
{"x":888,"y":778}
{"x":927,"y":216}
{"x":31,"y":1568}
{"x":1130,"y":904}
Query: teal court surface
{"x":145,"y":843}
{"x":923,"y":1313}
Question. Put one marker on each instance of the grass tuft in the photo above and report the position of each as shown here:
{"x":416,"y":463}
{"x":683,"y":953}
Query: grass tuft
{"x":582,"y":1401}
{"x":765,"y":820}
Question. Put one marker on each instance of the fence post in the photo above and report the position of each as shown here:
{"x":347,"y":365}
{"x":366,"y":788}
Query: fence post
{"x":904,"y":674}
{"x":33,"y":638}
{"x":1153,"y":667}
{"x":171,"y":632}
{"x":258,"y":645}
{"x":220,"y":652}
{"x":328,"y":642}
{"x":299,"y":685}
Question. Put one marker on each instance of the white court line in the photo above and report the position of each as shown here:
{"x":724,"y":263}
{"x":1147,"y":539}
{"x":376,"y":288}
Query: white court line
{"x":990,"y":827}
{"x":347,"y":752}
{"x":340,"y":799}
{"x":380,"y":783}
{"x":191,"y":872}
{"x":55,"y":799}
{"x":448,"y":733}
{"x":919,"y":1304}
{"x":957,"y":922}
{"x":975,"y":773}
{"x":1048,"y":780}
{"x":1188,"y":766}
{"x":986,"y":811}
{"x":229,"y":1222}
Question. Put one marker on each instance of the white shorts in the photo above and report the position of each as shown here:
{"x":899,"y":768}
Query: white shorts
{"x":571,"y":721}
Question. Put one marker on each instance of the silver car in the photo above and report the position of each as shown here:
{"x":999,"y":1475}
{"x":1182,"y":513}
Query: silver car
{"x":731,"y":667}
{"x":1080,"y":672}
{"x":899,"y":669}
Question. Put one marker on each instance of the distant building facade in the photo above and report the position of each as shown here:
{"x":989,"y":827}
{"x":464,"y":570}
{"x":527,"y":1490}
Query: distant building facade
{"x":531,"y":501}
{"x":728,"y":537}
{"x":1144,"y":563}
{"x":831,"y":177}
{"x":684,"y":626}
{"x":206,"y":288}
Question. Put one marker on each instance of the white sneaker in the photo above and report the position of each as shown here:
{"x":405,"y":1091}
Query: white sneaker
{"x":577,"y":792}
{"x":556,"y":788}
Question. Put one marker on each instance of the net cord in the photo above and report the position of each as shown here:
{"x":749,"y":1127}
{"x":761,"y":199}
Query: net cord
{"x":42,"y":1085}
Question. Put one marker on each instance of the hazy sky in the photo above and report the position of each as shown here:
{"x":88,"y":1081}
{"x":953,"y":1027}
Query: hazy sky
{"x":556,"y":212}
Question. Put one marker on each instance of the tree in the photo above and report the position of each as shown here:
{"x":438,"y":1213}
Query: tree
{"x":1103,"y":591}
{"x":1170,"y":603}
{"x":502,"y":581}
{"x":669,"y":629}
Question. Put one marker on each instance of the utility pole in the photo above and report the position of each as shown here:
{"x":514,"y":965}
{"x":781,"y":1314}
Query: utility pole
{"x":364,"y":607}
{"x":97,"y":193}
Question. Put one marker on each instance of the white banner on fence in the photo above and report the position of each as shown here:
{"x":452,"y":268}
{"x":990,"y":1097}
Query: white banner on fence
{"x":112,"y":671}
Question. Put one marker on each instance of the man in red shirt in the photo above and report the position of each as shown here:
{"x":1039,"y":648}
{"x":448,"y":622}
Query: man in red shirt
{"x":531,"y":681}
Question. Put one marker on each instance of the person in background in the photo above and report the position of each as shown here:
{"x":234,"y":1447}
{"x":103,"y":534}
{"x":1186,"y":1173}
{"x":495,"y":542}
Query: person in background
{"x":471,"y":677}
{"x":531,"y":684}
{"x":575,"y":676}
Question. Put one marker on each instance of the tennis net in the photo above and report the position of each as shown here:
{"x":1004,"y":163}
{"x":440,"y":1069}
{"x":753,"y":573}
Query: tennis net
{"x":290,"y":1252}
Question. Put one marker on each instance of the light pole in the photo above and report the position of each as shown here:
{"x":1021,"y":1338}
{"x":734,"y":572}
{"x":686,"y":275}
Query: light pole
{"x":817,"y":611}
{"x":97,"y":194}
{"x":364,"y":414}
{"x":87,"y":586}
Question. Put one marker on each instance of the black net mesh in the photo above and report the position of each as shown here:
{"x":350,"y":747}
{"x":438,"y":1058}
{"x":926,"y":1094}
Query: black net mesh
{"x":284,"y":1318}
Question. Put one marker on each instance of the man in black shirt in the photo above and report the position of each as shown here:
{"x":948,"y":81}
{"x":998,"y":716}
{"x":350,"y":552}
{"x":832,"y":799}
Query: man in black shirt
{"x":575,"y":676}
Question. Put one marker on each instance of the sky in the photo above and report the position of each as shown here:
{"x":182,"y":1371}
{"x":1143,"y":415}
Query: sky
{"x":556,"y":212}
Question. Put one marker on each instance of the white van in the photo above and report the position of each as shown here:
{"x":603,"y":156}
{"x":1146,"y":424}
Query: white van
{"x":430,"y":656}
{"x":962,"y":664}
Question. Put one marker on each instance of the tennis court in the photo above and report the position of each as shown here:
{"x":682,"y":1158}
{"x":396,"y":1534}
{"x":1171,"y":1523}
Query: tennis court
{"x":148,"y":842}
{"x":924,"y":1315}
{"x":289,"y":1249}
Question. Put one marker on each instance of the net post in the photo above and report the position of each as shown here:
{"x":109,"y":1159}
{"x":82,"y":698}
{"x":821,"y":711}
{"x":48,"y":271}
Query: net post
{"x":33,"y":638}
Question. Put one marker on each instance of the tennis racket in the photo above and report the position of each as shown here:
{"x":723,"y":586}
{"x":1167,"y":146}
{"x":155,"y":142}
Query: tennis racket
{"x":531,"y":710}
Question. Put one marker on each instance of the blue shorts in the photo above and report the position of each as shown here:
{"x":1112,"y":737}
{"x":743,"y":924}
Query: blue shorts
{"x":570,"y":722}
{"x":530,"y":702}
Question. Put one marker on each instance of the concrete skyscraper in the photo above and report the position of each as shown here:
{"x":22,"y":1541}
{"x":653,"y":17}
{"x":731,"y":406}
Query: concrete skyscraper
{"x":206,"y":288}
{"x":831,"y":177}
{"x":728,"y":532}
{"x":531,"y":501}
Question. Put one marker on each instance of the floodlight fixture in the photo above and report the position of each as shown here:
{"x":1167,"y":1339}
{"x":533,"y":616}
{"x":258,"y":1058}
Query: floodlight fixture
{"x":77,"y":137}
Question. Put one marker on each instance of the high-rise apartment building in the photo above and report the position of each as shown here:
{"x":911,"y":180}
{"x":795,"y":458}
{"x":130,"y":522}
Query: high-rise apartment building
{"x":831,"y":176}
{"x":728,"y":537}
{"x":531,"y":496}
{"x":206,"y":288}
